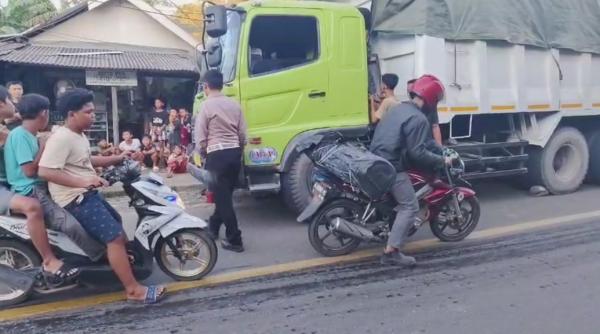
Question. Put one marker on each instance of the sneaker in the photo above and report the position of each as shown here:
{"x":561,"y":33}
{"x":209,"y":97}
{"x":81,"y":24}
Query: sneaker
{"x":238,"y":248}
{"x":398,"y":259}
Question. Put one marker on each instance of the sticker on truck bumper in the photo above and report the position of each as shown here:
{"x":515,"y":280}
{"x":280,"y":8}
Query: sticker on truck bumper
{"x":263,"y":155}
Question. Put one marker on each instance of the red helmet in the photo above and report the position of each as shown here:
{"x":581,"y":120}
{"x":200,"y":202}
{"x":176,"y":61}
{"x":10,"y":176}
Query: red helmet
{"x":429,"y":88}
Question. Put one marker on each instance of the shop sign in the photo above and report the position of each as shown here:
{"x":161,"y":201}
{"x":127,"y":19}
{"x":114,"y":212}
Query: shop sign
{"x":110,"y":78}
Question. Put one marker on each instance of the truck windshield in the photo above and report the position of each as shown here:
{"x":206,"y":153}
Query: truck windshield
{"x":229,"y":45}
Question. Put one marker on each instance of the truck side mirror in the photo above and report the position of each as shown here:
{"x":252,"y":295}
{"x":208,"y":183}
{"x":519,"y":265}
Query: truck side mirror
{"x":214,"y":53}
{"x":216,"y":21}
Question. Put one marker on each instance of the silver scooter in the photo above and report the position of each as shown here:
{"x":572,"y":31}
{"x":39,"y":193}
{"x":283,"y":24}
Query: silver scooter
{"x":165,"y":233}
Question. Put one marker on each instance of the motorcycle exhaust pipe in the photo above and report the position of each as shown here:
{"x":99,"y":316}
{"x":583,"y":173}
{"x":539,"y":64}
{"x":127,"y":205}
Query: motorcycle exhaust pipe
{"x":353,"y":230}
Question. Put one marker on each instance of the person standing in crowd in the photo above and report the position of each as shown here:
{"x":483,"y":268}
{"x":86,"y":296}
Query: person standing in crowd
{"x":221,"y":136}
{"x":388,"y":85}
{"x":15,"y":89}
{"x":173,"y":129}
{"x":186,"y":129}
{"x":432,"y":116}
{"x":158,"y":122}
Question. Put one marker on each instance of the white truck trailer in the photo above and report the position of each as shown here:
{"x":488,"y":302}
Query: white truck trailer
{"x":522,"y":80}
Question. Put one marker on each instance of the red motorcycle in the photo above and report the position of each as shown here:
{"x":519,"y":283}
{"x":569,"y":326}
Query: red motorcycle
{"x":342,"y":216}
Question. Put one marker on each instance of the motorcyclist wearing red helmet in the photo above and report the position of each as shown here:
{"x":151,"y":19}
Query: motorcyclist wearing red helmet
{"x":432,"y":116}
{"x":403,"y":137}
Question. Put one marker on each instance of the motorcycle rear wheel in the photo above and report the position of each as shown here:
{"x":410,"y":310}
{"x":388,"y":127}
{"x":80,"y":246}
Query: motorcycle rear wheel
{"x":320,"y":228}
{"x":195,"y":246}
{"x":19,"y":256}
{"x":440,"y":224}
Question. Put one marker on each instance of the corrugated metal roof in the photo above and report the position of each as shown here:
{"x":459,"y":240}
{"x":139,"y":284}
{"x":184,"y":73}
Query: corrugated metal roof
{"x":98,"y":56}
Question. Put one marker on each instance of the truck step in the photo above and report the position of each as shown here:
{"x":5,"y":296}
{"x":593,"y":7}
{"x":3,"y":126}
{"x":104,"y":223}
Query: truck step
{"x":478,"y":145}
{"x":496,"y":173}
{"x":471,"y":159}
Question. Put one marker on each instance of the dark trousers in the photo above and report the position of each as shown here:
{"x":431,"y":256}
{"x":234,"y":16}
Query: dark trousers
{"x":225,"y":167}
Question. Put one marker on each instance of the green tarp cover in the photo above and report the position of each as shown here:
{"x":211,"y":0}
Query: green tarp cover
{"x":570,"y":24}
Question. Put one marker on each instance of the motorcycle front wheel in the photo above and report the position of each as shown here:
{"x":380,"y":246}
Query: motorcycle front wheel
{"x":186,"y":255}
{"x":19,"y":256}
{"x":447,"y":227}
{"x":321,"y":235}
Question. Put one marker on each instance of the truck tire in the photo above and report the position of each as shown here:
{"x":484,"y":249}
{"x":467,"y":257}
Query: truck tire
{"x":296,"y":185}
{"x":594,"y":146}
{"x":562,"y":165}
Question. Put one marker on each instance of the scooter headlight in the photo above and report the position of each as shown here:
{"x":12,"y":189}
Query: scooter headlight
{"x":175,"y":198}
{"x":180,"y":203}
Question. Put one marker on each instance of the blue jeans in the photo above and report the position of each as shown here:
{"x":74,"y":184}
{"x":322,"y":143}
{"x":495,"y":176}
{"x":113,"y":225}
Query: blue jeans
{"x":98,"y":218}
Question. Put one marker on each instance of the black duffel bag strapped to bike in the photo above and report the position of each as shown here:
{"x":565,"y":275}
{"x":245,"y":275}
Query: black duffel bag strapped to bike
{"x":354,"y":164}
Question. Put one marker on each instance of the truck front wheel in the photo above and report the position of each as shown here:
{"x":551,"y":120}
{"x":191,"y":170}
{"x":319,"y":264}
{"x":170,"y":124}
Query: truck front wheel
{"x":296,"y":185}
{"x":562,"y":165}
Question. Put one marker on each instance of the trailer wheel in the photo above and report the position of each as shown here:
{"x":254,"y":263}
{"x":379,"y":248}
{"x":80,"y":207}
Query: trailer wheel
{"x":594,"y":146}
{"x":562,"y":165}
{"x":296,"y":185}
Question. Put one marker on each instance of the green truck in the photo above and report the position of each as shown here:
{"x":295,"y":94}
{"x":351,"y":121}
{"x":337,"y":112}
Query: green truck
{"x":294,"y":75}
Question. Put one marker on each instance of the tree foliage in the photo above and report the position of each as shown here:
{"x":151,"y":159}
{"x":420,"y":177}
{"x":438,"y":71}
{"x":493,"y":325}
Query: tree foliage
{"x":191,"y":15}
{"x":19,"y":15}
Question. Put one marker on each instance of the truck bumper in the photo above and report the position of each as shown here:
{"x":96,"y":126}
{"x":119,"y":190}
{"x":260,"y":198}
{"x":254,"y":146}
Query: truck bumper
{"x":263,"y":178}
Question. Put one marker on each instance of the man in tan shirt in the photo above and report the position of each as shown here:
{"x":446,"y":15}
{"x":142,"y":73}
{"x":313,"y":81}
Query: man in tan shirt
{"x":68,"y":166}
{"x":220,"y":137}
{"x":388,"y":84}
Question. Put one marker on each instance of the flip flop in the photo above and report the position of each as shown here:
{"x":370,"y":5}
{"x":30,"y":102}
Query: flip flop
{"x":65,"y":275}
{"x":152,"y":296}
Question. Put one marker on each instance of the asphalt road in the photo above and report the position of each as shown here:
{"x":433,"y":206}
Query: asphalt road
{"x":543,"y":282}
{"x":528,"y":283}
{"x":272,"y":236}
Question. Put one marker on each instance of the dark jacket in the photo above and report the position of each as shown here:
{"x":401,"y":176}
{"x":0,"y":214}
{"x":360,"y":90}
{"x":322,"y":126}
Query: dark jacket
{"x":403,"y":137}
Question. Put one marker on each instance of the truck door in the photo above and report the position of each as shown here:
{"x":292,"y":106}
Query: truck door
{"x":283,"y":80}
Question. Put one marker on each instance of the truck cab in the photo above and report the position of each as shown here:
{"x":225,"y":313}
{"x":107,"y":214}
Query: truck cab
{"x":297,"y":68}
